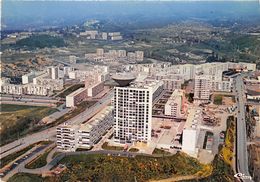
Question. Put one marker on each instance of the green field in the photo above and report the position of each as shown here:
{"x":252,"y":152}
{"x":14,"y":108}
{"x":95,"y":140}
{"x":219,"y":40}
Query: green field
{"x":218,"y":99}
{"x":12,"y":108}
{"x":18,"y":120}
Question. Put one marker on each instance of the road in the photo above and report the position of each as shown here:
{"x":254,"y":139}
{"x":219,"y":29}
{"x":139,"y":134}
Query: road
{"x":19,"y":163}
{"x":49,"y":133}
{"x":242,"y":153}
{"x":34,"y":101}
{"x":29,"y":99}
{"x":25,"y":103}
{"x":20,"y":166}
{"x":28,"y":96}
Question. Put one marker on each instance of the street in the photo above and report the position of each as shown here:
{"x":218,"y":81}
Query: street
{"x":242,"y":153}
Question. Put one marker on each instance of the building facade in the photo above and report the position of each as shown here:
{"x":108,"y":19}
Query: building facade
{"x":133,"y":114}
{"x":76,"y":97}
{"x":71,"y":137}
{"x":202,"y":88}
{"x":173,"y":106}
{"x":133,"y":111}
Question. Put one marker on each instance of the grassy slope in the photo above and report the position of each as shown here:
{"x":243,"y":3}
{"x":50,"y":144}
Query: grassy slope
{"x":105,"y":168}
{"x":25,"y":177}
{"x":19,"y":120}
{"x":41,"y":41}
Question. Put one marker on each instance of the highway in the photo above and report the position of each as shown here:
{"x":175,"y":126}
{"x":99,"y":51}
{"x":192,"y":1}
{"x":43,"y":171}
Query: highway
{"x":51,"y":132}
{"x":242,"y":153}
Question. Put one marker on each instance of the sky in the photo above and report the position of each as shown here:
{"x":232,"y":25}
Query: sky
{"x":133,"y":0}
{"x":25,"y":14}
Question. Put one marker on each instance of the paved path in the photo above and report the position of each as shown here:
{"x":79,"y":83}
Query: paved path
{"x":20,"y":166}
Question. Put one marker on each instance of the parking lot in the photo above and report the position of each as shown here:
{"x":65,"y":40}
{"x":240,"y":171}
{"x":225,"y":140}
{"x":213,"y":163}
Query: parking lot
{"x":166,"y":134}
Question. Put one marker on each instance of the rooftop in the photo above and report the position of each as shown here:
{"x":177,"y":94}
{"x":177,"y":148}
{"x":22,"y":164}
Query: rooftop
{"x":96,"y":119}
{"x":123,"y":79}
{"x":193,"y":118}
{"x":76,"y":92}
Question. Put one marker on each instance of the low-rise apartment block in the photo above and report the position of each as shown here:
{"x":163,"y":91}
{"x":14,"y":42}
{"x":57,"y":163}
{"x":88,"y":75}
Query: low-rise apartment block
{"x":173,"y":106}
{"x":71,"y":137}
{"x":76,"y":97}
{"x":95,"y":89}
{"x":28,"y":78}
{"x":202,"y":88}
{"x":115,"y":55}
{"x":191,"y":132}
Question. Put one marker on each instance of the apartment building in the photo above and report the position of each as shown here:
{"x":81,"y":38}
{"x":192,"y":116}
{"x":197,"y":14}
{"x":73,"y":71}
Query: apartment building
{"x":95,"y":89}
{"x":76,"y":97}
{"x":66,"y":137}
{"x":52,"y":84}
{"x":121,"y":53}
{"x":173,"y":106}
{"x":100,"y":52}
{"x":32,"y":89}
{"x":73,"y":59}
{"x":27,"y":89}
{"x":7,"y":88}
{"x":115,"y":36}
{"x":202,"y":88}
{"x":139,"y":55}
{"x":222,"y":86}
{"x":104,"y":36}
{"x":133,"y":111}
{"x":242,"y":66}
{"x":172,"y":84}
{"x":66,"y":70}
{"x":191,"y":132}
{"x":71,"y":137}
{"x":92,"y":132}
{"x":53,"y":72}
{"x":97,"y":73}
{"x":28,"y":78}
{"x":90,"y":34}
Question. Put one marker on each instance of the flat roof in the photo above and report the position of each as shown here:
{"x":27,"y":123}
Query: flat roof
{"x":193,"y":118}
{"x":95,"y":120}
{"x":76,"y":92}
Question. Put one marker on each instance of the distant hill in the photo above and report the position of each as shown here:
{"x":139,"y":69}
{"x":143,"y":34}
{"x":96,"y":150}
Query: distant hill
{"x":41,"y":41}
